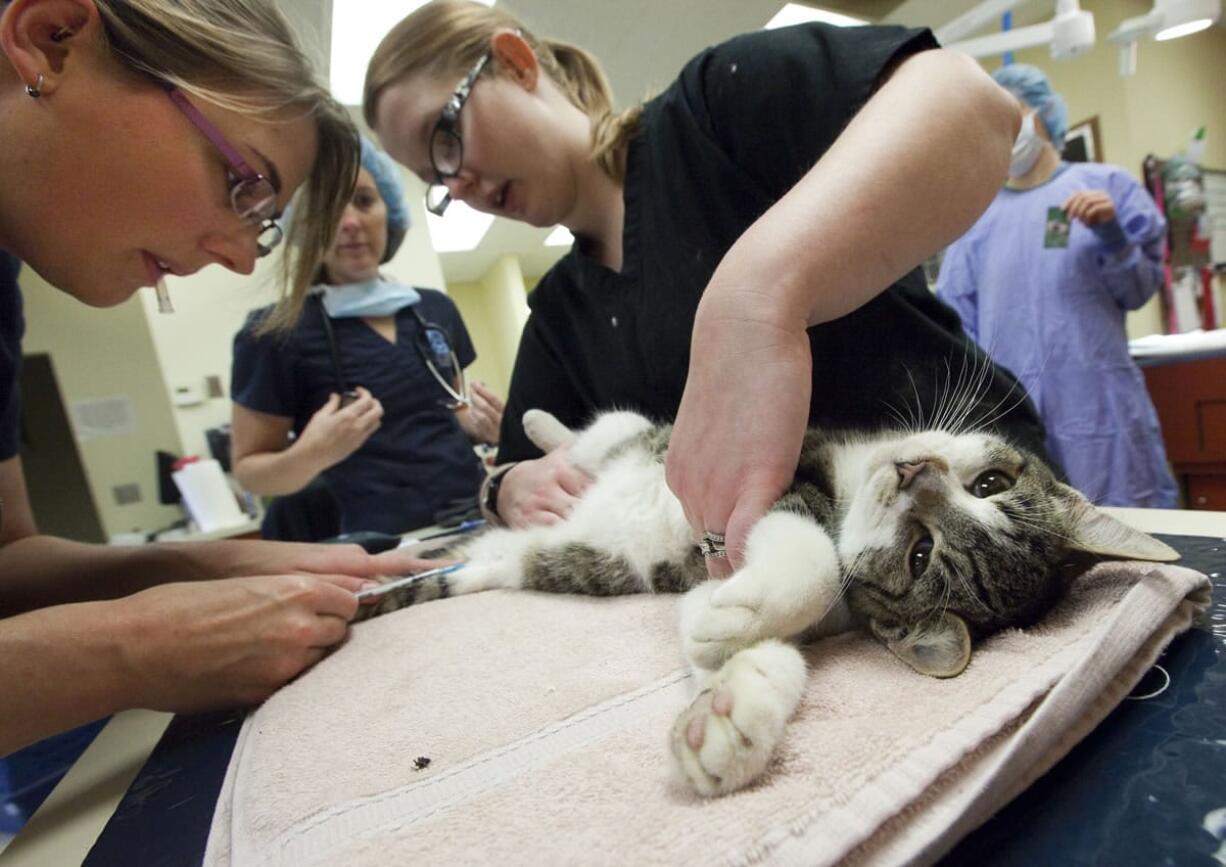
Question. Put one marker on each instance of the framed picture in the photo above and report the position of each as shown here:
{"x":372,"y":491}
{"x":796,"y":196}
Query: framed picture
{"x":1083,"y":143}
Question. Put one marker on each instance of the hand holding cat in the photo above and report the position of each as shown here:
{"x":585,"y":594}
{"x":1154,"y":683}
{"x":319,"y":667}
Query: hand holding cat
{"x":335,"y":432}
{"x":541,"y":491}
{"x":742,"y":419}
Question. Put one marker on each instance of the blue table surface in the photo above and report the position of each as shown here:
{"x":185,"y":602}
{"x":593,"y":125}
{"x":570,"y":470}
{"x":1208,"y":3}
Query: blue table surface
{"x":1140,"y":789}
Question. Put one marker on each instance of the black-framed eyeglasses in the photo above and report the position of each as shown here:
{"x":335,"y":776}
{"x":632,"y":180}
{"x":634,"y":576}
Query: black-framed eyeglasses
{"x":446,"y":146}
{"x":252,"y":195}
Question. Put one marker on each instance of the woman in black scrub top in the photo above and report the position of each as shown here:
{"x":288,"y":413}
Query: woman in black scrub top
{"x":746,"y":242}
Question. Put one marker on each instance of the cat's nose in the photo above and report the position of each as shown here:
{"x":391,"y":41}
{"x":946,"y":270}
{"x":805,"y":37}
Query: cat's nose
{"x":907,"y":472}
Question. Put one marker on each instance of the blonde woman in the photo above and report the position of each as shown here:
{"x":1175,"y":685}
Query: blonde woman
{"x":141,"y":138}
{"x":746,"y":246}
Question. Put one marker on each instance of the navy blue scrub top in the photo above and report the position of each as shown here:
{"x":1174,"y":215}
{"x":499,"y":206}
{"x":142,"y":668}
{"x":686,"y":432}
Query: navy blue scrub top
{"x":12,"y":326}
{"x":419,"y":460}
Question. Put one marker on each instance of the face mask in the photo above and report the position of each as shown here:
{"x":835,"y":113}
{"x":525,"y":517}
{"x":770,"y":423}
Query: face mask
{"x":373,"y":297}
{"x":1026,"y":149}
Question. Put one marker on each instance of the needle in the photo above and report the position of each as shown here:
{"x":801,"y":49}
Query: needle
{"x":408,"y":579}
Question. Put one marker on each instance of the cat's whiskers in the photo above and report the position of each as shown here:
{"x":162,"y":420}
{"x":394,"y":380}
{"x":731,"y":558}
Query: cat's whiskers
{"x":1045,"y":529}
{"x":970,"y":391}
{"x":970,"y":591}
{"x":918,"y":415}
{"x":988,"y":419}
{"x":979,"y":383}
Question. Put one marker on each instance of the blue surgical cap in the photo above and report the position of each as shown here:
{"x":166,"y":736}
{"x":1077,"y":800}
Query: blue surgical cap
{"x":387,"y":179}
{"x":1030,"y":85}
{"x":391,"y":190}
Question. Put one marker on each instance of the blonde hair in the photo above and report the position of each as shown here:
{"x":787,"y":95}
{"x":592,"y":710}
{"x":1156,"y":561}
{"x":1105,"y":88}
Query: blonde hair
{"x":445,"y":38}
{"x":242,"y":55}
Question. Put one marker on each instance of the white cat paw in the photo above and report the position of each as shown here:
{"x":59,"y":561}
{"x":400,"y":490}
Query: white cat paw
{"x":721,"y":631}
{"x":734,"y":617}
{"x":724,"y":740}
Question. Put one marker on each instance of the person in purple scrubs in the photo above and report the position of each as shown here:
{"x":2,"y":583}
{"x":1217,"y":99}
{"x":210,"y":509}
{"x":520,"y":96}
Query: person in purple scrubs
{"x":1043,"y":282}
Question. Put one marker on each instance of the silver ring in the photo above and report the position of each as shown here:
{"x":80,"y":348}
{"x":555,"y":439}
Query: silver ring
{"x":711,"y":546}
{"x":36,"y":89}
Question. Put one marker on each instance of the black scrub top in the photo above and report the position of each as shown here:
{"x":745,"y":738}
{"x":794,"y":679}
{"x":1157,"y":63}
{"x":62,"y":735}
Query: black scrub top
{"x":419,"y":460}
{"x":742,"y":124}
{"x":12,"y":327}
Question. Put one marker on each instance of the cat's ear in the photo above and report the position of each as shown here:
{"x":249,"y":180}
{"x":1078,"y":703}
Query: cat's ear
{"x":1093,"y":531}
{"x":939,"y":648}
{"x":545,"y":431}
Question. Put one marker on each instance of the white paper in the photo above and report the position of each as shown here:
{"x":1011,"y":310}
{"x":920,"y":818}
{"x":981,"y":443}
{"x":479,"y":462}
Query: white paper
{"x":208,"y":496}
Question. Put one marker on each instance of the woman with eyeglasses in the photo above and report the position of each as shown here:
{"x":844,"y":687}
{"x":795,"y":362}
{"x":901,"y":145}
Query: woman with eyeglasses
{"x":746,"y":242}
{"x":399,"y":448}
{"x":142,"y":138}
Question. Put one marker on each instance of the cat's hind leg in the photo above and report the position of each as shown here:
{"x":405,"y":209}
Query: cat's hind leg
{"x":724,"y":740}
{"x":790,"y":581}
{"x":545,"y":431}
{"x":593,"y":445}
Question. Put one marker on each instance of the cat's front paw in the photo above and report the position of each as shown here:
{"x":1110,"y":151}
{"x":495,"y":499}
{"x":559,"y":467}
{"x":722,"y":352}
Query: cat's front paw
{"x":720,"y":631}
{"x":724,"y":740}
{"x":737,"y":614}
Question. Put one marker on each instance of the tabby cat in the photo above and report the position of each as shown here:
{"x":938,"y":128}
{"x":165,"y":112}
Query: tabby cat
{"x":927,"y":539}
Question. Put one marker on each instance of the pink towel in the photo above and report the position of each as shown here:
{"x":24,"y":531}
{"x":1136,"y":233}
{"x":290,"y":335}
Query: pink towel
{"x":545,"y":720}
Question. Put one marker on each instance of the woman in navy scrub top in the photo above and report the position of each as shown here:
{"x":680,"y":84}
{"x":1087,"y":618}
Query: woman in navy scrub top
{"x":746,"y":242}
{"x":397,"y":453}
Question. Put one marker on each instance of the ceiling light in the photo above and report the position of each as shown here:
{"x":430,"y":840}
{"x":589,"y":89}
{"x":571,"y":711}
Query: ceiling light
{"x":799,"y":13}
{"x":560,"y":237}
{"x":1183,"y":29}
{"x":1169,"y":19}
{"x":462,"y":228}
{"x":1069,"y":34}
{"x":357,"y":28}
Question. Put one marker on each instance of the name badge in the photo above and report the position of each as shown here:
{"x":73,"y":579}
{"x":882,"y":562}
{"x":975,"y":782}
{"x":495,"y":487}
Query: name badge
{"x":1055,"y":234}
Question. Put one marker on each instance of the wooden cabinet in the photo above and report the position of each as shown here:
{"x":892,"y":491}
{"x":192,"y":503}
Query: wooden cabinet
{"x":1190,"y":397}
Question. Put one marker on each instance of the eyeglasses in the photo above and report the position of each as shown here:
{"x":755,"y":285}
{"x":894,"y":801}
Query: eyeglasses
{"x":446,"y":146}
{"x":253,"y":196}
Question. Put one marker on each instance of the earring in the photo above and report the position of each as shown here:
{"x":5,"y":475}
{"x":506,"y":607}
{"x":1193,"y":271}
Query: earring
{"x":36,"y":89}
{"x":61,"y":34}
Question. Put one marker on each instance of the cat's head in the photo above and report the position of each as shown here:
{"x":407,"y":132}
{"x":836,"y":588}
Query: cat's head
{"x":955,"y":537}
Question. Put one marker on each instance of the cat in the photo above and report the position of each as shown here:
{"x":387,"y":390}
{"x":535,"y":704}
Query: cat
{"x":927,"y":539}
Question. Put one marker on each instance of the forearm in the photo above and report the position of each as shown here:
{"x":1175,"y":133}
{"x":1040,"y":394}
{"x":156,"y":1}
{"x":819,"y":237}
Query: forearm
{"x":1131,"y":276}
{"x":40,"y":571}
{"x":912,"y":172}
{"x":275,"y":474}
{"x":59,"y":668}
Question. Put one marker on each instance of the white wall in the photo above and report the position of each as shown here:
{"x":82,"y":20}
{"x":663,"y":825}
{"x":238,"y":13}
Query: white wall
{"x":495,"y":309}
{"x":105,"y":354}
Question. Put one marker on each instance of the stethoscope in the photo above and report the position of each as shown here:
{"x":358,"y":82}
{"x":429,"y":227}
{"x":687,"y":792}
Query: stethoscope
{"x":433,"y":345}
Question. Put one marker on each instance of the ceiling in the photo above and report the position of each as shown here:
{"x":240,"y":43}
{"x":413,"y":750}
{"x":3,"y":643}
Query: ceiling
{"x":642,"y":45}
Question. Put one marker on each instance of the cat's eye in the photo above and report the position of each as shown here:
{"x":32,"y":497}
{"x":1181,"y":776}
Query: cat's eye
{"x":920,"y":555}
{"x":990,"y":483}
